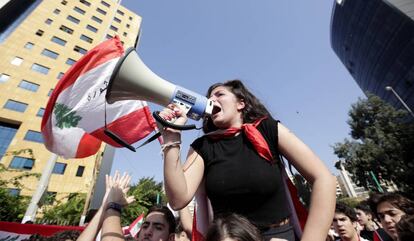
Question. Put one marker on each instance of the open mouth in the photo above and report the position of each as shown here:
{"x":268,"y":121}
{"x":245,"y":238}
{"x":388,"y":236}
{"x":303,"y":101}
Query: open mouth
{"x":215,"y":110}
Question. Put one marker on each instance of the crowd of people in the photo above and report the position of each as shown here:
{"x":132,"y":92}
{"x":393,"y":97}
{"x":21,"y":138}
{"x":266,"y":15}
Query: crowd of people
{"x":238,"y":166}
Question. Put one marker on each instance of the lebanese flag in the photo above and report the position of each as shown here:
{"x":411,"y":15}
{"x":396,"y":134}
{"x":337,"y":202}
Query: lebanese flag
{"x":74,"y":119}
{"x":18,"y":231}
{"x":135,"y":226}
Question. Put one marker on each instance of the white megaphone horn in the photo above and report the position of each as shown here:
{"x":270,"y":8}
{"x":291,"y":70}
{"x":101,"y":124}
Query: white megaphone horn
{"x":133,"y":80}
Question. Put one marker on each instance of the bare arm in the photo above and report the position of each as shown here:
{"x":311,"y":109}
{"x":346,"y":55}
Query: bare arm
{"x":111,"y":227}
{"x":186,"y":220}
{"x":180,"y":185}
{"x":93,"y":227}
{"x":322,"y":206}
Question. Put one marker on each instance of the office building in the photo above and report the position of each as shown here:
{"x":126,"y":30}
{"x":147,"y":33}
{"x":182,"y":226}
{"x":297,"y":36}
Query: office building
{"x":374,"y":39}
{"x":39,"y":41}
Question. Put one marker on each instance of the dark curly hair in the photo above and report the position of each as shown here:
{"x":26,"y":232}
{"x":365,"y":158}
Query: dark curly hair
{"x":405,"y":228}
{"x":233,"y":226}
{"x":252,"y":111}
{"x":395,"y":199}
{"x":169,"y":216}
{"x":347,"y":210}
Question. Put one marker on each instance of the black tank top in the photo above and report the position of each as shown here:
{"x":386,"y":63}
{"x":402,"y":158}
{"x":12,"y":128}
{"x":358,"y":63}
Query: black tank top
{"x":238,"y":180}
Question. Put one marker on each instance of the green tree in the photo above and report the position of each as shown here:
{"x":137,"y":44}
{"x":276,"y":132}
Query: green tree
{"x":146,"y":192}
{"x":13,"y":207}
{"x":382,"y":142}
{"x":66,"y":212}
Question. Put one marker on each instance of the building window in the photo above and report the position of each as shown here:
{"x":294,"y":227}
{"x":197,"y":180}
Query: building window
{"x":59,"y":168}
{"x":21,"y":163}
{"x":40,"y":68}
{"x":7,"y":132}
{"x":15,"y":105}
{"x":86,"y":3}
{"x":4,"y":78}
{"x":80,"y":170}
{"x":66,"y":29}
{"x":108,"y":36}
{"x":73,"y":19}
{"x":86,"y":38}
{"x":130,"y":18}
{"x":50,"y":92}
{"x":101,"y":11}
{"x":125,"y":34}
{"x":70,"y":61}
{"x":49,"y":198}
{"x":60,"y":75}
{"x":128,"y":25}
{"x":120,"y":12}
{"x":117,"y":20}
{"x":79,"y":10}
{"x":113,"y":28}
{"x":80,"y":50}
{"x":56,"y":11}
{"x":40,"y":112}
{"x":105,"y":4}
{"x":28,"y":86}
{"x":96,"y":19}
{"x":40,"y":32}
{"x":58,"y":41}
{"x":17,"y":61}
{"x":34,"y":136}
{"x":14,"y":192}
{"x":91,"y":28}
{"x":50,"y":54}
{"x":48,"y":21}
{"x":28,"y":45}
{"x":64,"y":2}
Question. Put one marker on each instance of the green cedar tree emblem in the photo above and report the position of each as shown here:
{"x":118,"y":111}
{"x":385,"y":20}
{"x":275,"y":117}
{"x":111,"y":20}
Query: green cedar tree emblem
{"x":65,"y":117}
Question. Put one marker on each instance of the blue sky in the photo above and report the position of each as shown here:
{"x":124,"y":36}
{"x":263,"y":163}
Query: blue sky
{"x":280,"y":49}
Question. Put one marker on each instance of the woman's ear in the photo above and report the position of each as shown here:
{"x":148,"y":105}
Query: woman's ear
{"x":241,"y":104}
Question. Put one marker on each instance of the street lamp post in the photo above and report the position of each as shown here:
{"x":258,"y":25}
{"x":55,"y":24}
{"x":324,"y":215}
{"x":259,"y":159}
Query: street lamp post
{"x":389,"y":88}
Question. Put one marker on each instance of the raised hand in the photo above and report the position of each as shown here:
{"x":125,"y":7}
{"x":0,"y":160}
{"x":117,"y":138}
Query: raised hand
{"x":117,"y":189}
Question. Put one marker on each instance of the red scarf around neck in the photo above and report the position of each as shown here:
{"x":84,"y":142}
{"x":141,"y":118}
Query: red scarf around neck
{"x":253,"y":135}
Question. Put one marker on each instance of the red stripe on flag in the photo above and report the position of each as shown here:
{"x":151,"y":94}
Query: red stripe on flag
{"x":102,"y":53}
{"x":127,"y":129}
{"x":44,"y":230}
{"x":195,"y":234}
{"x":87,"y":146}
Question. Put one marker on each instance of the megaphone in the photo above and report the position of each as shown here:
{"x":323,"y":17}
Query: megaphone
{"x":133,"y":80}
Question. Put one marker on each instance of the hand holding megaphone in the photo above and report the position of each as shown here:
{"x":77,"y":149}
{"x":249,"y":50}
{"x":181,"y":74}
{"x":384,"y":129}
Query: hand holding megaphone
{"x":172,"y":115}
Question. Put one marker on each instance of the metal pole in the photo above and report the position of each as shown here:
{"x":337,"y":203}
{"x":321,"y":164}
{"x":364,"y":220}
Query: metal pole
{"x":41,"y":188}
{"x":379,"y":188}
{"x":389,"y":88}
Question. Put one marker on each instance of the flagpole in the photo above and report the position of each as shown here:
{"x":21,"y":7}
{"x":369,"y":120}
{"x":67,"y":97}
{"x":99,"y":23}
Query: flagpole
{"x":41,"y":188}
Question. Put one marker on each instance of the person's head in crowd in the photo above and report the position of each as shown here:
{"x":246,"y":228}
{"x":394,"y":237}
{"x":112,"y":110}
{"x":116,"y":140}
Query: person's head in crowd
{"x":365,"y":216}
{"x":35,"y":237}
{"x":405,"y":228}
{"x":232,"y":227}
{"x":389,"y":209}
{"x":345,"y":222}
{"x":180,"y":234}
{"x":68,"y":235}
{"x":159,"y":225}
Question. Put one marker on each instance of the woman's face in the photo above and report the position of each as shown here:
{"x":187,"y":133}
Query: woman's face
{"x":227,"y":108}
{"x":389,"y":216}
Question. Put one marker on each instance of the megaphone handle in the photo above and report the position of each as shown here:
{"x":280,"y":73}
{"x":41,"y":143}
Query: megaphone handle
{"x":165,"y":123}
